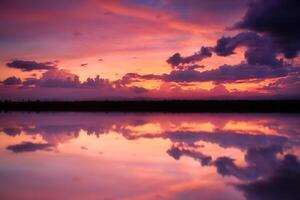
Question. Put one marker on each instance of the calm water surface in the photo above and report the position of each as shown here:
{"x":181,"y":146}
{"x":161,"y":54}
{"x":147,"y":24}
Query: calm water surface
{"x":94,"y":156}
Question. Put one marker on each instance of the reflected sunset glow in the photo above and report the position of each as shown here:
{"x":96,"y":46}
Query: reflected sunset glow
{"x":142,"y":156}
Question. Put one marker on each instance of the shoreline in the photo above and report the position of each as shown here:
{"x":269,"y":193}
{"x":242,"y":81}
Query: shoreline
{"x":167,"y":106}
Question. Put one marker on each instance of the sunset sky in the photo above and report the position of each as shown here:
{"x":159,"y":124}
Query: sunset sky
{"x":162,"y":49}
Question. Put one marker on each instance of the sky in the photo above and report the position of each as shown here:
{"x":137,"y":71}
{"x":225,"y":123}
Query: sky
{"x":156,"y":49}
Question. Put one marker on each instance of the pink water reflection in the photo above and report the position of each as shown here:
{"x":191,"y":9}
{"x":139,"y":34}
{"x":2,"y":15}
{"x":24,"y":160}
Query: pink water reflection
{"x":149,"y":156}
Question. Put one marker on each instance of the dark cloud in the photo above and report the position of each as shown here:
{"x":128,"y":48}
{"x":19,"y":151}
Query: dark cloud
{"x":226,"y":166}
{"x":176,"y":151}
{"x":56,"y":83}
{"x":286,"y":86}
{"x":260,"y":162}
{"x":84,"y":64}
{"x":227,"y":73}
{"x":226,"y":45}
{"x":262,"y":55}
{"x":260,"y":50}
{"x":12,"y":131}
{"x":261,"y":67}
{"x":59,"y":79}
{"x":138,"y":90}
{"x":278,"y":19}
{"x":282,"y":183}
{"x":138,"y":122}
{"x":56,"y":78}
{"x":31,"y":65}
{"x":225,"y":139}
{"x":12,"y":81}
{"x":177,"y":59}
{"x":96,"y":82}
{"x":62,"y":130}
{"x":31,"y":82}
{"x":29,"y":147}
{"x":134,"y":77}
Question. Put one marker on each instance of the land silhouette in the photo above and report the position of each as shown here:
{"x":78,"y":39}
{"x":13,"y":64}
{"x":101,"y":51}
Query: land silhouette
{"x":169,"y":106}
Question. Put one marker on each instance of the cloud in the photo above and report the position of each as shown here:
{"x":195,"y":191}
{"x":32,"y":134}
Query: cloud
{"x":12,"y":81}
{"x":226,"y":45}
{"x":278,"y":19}
{"x":282,"y":183}
{"x":260,"y":162}
{"x":286,"y":86}
{"x":29,"y":147}
{"x":261,"y":61}
{"x":135,"y":77}
{"x":225,"y":139}
{"x":31,"y":65}
{"x":58,"y":133}
{"x":227,"y":73}
{"x":265,"y":35}
{"x":31,"y":82}
{"x":260,"y":50}
{"x":96,"y":82}
{"x":12,"y":131}
{"x":263,"y":55}
{"x":59,"y":78}
{"x":138,"y":90}
{"x":176,"y":151}
{"x":177,"y":59}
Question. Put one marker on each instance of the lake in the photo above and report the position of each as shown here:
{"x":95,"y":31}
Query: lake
{"x":147,"y":156}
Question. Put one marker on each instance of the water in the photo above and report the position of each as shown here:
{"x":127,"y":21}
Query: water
{"x":149,"y":156}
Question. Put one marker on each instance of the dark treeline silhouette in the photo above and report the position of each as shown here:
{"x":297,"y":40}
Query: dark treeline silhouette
{"x":180,"y":106}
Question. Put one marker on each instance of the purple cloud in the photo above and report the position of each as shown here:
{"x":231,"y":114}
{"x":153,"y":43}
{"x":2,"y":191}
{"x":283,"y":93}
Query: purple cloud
{"x":177,"y":59}
{"x":282,"y":183}
{"x":29,"y":147}
{"x":138,"y":90}
{"x":176,"y":151}
{"x":31,"y":65}
{"x":96,"y":82}
{"x":260,"y":50}
{"x":226,"y":45}
{"x":278,"y":19}
{"x":260,"y":161}
{"x":60,"y":78}
{"x":12,"y":131}
{"x":12,"y":81}
{"x":227,"y":73}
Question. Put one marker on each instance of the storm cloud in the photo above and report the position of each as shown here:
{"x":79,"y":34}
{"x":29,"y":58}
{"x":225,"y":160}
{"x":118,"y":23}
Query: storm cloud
{"x":278,"y":19}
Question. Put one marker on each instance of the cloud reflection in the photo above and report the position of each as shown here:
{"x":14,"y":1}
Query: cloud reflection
{"x":267,"y":145}
{"x":29,"y":147}
{"x":283,"y":183}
